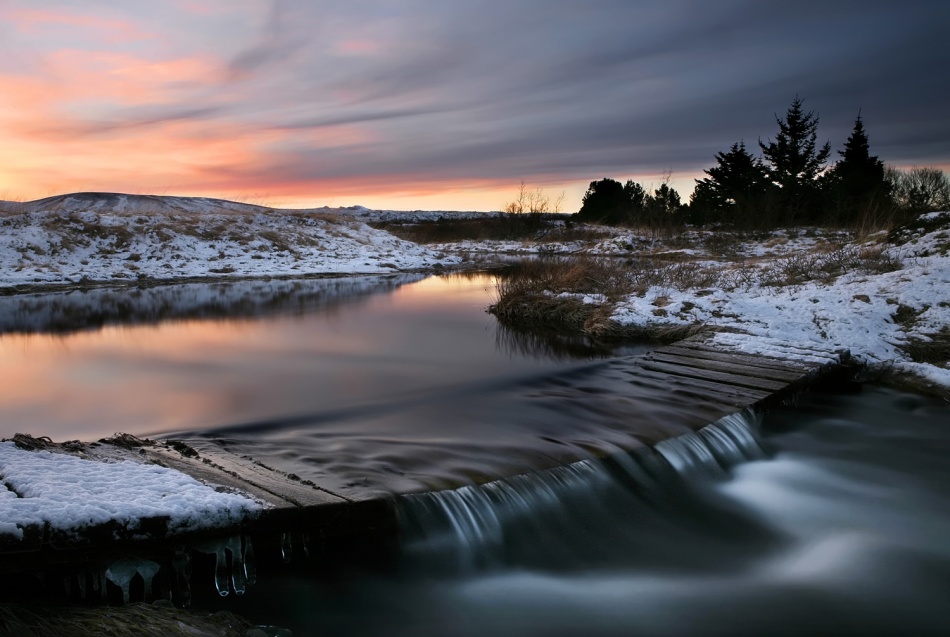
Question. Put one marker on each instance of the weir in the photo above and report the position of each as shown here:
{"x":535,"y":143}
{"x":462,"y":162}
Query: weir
{"x":542,"y":514}
{"x":313,"y":524}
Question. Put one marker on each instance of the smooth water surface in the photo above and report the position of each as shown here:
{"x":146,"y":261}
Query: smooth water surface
{"x":85,"y":365}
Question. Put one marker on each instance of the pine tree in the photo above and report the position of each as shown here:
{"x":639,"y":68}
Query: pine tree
{"x":665,"y":201}
{"x":736,"y":185}
{"x":856,"y":186}
{"x":795,"y":160}
{"x":635,"y":194}
{"x":605,"y":201}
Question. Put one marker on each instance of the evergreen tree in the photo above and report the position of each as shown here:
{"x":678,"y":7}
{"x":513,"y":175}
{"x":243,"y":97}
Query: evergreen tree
{"x":735,"y":187}
{"x":665,"y":201}
{"x":605,"y":201}
{"x":636,"y":195}
{"x":855,"y":186}
{"x":795,"y":161}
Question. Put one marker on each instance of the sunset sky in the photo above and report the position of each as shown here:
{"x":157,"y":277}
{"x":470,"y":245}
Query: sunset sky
{"x":445,"y":104}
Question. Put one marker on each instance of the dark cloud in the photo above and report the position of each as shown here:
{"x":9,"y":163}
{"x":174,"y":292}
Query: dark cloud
{"x":541,"y":86}
{"x":494,"y":89}
{"x":279,"y":41}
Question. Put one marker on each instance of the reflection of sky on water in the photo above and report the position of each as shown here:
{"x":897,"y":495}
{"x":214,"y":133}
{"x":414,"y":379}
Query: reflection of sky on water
{"x":187,"y":373}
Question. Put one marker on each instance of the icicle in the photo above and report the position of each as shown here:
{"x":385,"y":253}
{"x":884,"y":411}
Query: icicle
{"x":181,"y":564}
{"x":221,"y":575}
{"x":103,"y":587}
{"x":147,"y":570}
{"x":238,"y":575}
{"x":250,"y":565}
{"x":286,"y":547}
{"x":121,"y":573}
{"x":98,"y":585}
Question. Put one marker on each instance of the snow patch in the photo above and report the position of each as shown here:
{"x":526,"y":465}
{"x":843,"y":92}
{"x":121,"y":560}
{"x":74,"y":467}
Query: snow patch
{"x":69,"y":493}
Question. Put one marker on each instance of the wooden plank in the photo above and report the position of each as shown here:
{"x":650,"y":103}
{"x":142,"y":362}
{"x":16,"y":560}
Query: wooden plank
{"x":806,"y":355}
{"x":757,"y":362}
{"x":739,"y":369}
{"x":726,"y":394}
{"x":217,"y":465}
{"x":722,"y":377}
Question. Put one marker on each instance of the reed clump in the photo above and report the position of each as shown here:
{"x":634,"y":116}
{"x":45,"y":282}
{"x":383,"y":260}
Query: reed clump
{"x":578,"y":295}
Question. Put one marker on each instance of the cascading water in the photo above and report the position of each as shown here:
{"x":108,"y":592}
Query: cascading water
{"x":533,"y":517}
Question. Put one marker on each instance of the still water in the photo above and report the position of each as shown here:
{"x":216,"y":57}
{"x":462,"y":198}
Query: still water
{"x":830,"y":516}
{"x":85,"y":365}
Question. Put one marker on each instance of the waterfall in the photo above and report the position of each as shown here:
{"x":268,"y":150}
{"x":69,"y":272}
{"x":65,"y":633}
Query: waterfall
{"x":588,"y":503}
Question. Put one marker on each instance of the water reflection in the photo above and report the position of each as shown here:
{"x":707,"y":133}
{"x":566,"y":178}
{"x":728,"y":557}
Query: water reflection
{"x":91,"y":309}
{"x":544,"y":344}
{"x":176,"y":358}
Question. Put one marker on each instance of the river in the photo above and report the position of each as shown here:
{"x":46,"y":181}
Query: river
{"x":827,"y":516}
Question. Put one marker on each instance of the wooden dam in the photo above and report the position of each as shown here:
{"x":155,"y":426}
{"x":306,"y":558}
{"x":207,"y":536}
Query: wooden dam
{"x":336,"y":525}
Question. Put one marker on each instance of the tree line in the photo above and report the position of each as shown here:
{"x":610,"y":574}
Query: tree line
{"x":790,"y":184}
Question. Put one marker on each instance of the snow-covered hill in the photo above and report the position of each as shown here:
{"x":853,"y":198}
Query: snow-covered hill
{"x":116,"y":237}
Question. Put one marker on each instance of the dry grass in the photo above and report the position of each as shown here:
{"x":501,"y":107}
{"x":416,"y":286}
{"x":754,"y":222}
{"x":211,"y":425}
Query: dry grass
{"x":533,"y":295}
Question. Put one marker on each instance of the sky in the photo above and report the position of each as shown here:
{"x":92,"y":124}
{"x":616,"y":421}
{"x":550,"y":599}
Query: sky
{"x":426,"y":104}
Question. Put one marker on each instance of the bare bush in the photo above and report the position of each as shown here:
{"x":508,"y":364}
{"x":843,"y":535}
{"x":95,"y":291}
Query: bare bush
{"x":825,"y":267}
{"x":920,"y":189}
{"x":533,"y":202}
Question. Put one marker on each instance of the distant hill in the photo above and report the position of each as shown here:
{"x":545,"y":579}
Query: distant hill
{"x":88,"y":237}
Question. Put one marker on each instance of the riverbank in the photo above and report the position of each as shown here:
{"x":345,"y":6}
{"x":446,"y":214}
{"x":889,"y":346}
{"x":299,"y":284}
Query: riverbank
{"x":883,"y":297}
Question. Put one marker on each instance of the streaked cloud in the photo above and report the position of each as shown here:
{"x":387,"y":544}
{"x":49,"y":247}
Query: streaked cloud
{"x":327,"y":100}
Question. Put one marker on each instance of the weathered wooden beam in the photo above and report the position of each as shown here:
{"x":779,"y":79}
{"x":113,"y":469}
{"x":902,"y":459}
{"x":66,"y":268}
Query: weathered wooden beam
{"x":730,"y":367}
{"x":721,"y":377}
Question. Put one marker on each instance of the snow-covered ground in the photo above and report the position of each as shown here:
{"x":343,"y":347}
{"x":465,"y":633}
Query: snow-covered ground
{"x":869,"y":311}
{"x":110,"y":237}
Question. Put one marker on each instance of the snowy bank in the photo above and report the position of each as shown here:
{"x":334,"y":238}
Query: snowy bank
{"x":783,"y":293}
{"x":110,"y":237}
{"x":874,"y":315}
